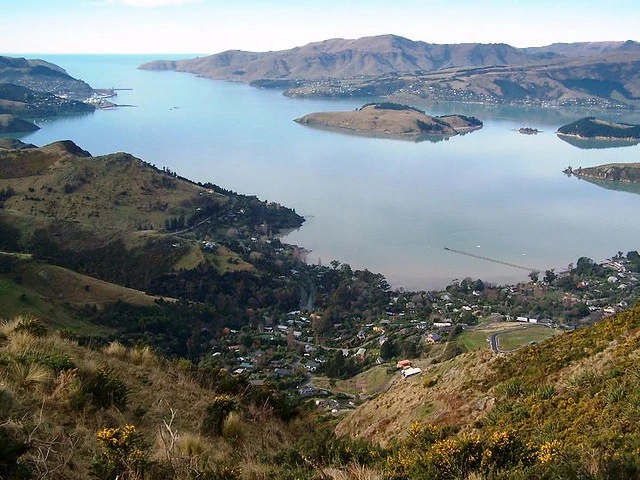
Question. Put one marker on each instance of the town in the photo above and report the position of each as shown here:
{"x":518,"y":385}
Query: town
{"x":308,"y":356}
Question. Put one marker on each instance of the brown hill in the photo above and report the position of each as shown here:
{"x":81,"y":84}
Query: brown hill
{"x":588,"y":74}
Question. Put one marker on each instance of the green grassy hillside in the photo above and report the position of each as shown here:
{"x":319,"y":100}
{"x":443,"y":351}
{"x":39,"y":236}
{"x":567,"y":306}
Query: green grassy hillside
{"x":565,"y":408}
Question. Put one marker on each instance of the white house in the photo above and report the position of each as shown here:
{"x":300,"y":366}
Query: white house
{"x":410,"y":372}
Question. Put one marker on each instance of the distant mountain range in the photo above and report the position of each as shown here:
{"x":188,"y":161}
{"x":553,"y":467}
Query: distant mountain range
{"x":599,"y":74}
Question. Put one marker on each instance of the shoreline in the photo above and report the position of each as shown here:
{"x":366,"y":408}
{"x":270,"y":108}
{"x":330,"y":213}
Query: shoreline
{"x":622,"y":139}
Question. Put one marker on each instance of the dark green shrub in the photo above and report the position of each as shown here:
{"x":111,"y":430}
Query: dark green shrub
{"x":12,"y":447}
{"x":216,"y":413}
{"x":32,"y":326}
{"x":103,"y":389}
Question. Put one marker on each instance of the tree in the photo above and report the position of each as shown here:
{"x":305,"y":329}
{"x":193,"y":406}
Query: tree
{"x":585,"y":266}
{"x":534,"y":275}
{"x":410,"y":347}
{"x":388,"y":349}
{"x":550,"y":276}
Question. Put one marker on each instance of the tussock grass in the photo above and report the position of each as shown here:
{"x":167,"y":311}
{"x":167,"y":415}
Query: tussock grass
{"x":116,"y":349}
{"x":143,"y":356}
{"x":8,"y":401}
{"x":8,"y":326}
{"x":355,"y":472}
{"x":234,"y":428}
{"x":28,"y":376}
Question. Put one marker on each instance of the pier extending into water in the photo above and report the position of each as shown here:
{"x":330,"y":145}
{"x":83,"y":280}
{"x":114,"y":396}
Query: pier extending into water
{"x":473,"y":255}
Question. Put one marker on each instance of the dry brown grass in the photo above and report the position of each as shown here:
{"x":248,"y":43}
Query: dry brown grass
{"x":354,"y":472}
{"x":8,"y":326}
{"x":143,"y":356}
{"x":65,"y":428}
{"x":234,"y":428}
{"x":116,"y":349}
{"x":29,"y":376}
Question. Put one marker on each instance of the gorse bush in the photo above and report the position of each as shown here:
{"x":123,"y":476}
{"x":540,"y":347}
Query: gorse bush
{"x":122,"y":455}
{"x":216,"y":413}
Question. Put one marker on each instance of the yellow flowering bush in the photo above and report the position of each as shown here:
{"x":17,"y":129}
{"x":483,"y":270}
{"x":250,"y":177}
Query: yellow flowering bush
{"x":548,"y":451}
{"x":122,"y":453}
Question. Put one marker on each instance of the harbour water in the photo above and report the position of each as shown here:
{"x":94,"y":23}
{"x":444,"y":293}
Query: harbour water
{"x":387,"y":205}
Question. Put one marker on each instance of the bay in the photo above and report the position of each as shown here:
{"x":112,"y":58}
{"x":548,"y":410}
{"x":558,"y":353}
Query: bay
{"x":387,"y":205}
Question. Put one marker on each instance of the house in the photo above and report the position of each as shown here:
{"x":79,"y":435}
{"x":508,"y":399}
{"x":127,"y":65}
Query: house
{"x":410,"y":372}
{"x":307,"y":391}
{"x":442,"y":324}
{"x":433,"y":338}
{"x":403,"y":364}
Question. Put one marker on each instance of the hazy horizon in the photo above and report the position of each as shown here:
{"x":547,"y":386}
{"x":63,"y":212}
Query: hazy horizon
{"x":201,"y":27}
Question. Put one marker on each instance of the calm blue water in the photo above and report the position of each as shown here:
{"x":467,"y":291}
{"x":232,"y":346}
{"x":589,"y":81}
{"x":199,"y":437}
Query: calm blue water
{"x":387,"y":205}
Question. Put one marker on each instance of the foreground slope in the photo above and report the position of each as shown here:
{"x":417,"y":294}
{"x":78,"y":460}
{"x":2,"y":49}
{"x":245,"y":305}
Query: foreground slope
{"x":77,"y":412}
{"x":570,"y":404}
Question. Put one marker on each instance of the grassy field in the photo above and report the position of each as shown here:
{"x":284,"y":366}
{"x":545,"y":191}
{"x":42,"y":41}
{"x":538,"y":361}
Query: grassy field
{"x":367,"y":383}
{"x":191,"y":260}
{"x":473,"y":339}
{"x":476,"y":338}
{"x":531,"y":333}
{"x":228,"y":261}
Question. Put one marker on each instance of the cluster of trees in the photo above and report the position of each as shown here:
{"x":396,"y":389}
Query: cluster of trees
{"x":391,"y":106}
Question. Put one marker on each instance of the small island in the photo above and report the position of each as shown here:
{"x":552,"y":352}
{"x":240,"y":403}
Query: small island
{"x":392,"y":120}
{"x":593,"y":128}
{"x":11,"y":124}
{"x":528,"y":131}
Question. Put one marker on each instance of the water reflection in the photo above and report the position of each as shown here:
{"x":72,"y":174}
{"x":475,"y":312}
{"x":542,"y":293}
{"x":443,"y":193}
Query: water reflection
{"x":616,"y":186}
{"x":592,"y":143}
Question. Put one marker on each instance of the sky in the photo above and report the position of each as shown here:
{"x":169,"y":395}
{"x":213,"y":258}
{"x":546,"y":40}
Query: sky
{"x":212,"y":26}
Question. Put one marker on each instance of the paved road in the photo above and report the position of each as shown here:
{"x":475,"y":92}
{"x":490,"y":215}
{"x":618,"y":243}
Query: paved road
{"x":493,"y":339}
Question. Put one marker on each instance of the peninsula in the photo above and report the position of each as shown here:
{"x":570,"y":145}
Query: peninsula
{"x":594,"y":128}
{"x":612,"y":172}
{"x":392,"y":120}
{"x":11,"y":124}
